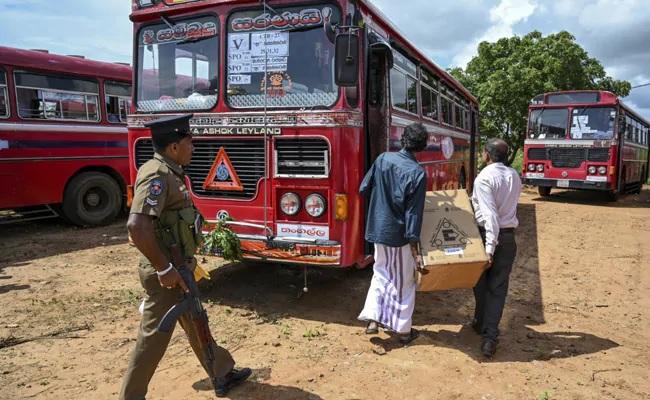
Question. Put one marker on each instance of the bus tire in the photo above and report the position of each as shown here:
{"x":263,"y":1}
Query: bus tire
{"x":544,"y":191}
{"x":92,"y":199}
{"x":613,"y":196}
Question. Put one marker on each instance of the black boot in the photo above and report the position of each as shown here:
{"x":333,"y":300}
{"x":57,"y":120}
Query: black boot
{"x":488,"y":347}
{"x":232,"y":379}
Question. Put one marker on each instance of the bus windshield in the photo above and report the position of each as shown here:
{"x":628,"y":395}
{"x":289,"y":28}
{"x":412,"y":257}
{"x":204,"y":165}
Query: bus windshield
{"x":178,"y":65}
{"x":548,"y":123}
{"x":281,"y":58}
{"x":593,"y":123}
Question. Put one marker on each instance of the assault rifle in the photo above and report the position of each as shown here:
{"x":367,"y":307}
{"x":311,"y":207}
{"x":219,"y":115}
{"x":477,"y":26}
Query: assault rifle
{"x":191,"y":304}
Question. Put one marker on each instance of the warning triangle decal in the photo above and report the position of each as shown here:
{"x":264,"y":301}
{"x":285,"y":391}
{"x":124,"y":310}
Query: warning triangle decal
{"x":447,"y":235}
{"x":222,"y":175}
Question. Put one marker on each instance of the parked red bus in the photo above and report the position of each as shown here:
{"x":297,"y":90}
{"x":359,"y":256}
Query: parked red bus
{"x":63,"y":137}
{"x":279,"y":145}
{"x":585,"y":140}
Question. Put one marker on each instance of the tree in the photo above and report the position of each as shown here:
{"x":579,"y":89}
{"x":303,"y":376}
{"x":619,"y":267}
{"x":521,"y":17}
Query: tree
{"x":507,"y":74}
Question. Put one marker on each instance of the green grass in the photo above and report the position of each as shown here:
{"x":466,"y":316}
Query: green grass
{"x":519,"y":159}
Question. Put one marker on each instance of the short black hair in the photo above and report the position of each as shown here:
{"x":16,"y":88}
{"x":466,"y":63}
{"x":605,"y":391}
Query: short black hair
{"x":497,"y":149}
{"x":415,"y":137}
{"x":160,"y":147}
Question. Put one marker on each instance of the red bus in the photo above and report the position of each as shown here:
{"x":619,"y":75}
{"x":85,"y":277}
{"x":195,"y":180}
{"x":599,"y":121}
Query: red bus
{"x":63,"y":137}
{"x":280,"y":146}
{"x":585,"y":140}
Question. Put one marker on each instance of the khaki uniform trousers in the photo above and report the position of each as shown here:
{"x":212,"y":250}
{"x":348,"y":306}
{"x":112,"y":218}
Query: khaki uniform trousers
{"x":151,"y":344}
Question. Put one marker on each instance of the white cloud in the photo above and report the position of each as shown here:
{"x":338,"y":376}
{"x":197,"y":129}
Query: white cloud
{"x":100,"y":30}
{"x":504,"y":16}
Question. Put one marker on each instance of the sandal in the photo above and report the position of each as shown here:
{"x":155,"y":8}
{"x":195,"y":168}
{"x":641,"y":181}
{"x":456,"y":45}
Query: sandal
{"x":372,"y":328}
{"x":407,"y":338}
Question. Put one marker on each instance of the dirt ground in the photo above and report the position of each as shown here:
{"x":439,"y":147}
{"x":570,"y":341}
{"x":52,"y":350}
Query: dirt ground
{"x":576,"y":324}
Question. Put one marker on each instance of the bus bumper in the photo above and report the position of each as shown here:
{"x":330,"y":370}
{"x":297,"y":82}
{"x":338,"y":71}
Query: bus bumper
{"x":291,"y":250}
{"x":568,"y":184}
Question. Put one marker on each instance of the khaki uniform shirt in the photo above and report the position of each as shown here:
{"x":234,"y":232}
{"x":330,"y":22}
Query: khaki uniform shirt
{"x":159,"y":186}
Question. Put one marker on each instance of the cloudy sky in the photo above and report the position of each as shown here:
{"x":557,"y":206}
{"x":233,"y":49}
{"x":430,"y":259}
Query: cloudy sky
{"x":616,"y":32}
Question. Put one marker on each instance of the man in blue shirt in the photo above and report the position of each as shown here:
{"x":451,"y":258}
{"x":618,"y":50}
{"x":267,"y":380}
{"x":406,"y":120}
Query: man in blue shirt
{"x":397,"y":187}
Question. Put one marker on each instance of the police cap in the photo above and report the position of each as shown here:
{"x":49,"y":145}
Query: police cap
{"x":165,"y":131}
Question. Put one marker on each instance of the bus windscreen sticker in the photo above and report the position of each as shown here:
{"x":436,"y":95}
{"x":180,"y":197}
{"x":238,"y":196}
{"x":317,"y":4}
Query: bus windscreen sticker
{"x":181,"y":31}
{"x":288,"y":19}
{"x":258,"y":52}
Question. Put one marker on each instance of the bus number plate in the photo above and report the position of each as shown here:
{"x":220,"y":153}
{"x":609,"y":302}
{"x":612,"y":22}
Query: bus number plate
{"x":563,"y":183}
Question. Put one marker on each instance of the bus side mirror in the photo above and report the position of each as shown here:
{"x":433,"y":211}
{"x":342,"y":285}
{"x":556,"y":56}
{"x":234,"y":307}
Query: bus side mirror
{"x":347,"y":60}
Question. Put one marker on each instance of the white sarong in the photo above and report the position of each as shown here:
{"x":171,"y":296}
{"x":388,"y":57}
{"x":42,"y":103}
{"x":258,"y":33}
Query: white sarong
{"x":391,"y":297}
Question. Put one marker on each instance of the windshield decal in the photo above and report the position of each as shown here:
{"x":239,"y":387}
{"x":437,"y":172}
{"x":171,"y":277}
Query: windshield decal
{"x":279,"y":82}
{"x":181,"y":31}
{"x":288,"y":19}
{"x":257,"y":52}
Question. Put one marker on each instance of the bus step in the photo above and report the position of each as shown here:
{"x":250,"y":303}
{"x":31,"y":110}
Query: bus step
{"x":634,"y":187}
{"x":27,"y":214}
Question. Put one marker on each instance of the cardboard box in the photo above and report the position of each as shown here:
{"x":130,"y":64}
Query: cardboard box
{"x":452,"y":248}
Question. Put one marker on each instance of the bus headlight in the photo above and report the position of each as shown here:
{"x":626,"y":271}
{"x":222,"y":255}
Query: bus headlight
{"x":531,"y":167}
{"x":602,"y":170}
{"x":592,"y":170}
{"x":315,"y":205}
{"x":540,"y":167}
{"x":290,"y":203}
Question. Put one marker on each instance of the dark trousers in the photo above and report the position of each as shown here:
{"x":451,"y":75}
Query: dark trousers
{"x":491,"y":290}
{"x":151,"y":344}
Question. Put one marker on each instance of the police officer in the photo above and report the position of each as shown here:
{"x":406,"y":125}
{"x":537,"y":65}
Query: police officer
{"x":162,"y":212}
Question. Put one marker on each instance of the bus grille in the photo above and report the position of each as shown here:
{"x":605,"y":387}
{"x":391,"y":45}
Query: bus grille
{"x":599,"y":154}
{"x":567,"y":157}
{"x":302,"y":157}
{"x":246,"y":156}
{"x":537,"y":154}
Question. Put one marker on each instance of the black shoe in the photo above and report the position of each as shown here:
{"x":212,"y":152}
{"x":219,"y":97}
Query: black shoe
{"x":488,"y":347}
{"x":232,"y":379}
{"x":409,"y":337}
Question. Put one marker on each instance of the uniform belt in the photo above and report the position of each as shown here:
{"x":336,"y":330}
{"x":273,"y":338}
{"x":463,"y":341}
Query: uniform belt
{"x":501,"y":230}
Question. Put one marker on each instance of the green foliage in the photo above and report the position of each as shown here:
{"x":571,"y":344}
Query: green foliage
{"x":518,"y":160}
{"x":507,"y":74}
{"x":312,"y":333}
{"x":546,"y":395}
{"x":222,"y":241}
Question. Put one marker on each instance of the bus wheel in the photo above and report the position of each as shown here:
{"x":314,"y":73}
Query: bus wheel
{"x":613,"y":195}
{"x":544,"y":191}
{"x":92,"y":198}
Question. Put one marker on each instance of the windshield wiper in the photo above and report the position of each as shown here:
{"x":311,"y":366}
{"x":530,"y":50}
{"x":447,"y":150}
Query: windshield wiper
{"x":196,"y":40}
{"x":302,"y":28}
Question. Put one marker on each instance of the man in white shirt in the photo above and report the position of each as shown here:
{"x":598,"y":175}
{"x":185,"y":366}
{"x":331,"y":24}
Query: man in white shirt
{"x":495,"y":197}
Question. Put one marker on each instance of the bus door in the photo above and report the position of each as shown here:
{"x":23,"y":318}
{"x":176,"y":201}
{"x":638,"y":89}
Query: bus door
{"x":377,"y":115}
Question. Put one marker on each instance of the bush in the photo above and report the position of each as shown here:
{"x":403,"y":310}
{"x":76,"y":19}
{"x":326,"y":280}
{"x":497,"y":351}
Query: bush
{"x":222,"y":242}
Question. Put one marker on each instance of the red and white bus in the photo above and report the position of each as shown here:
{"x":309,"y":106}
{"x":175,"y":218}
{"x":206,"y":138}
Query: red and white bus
{"x":63,"y":137}
{"x":585,"y":140}
{"x":279,"y":145}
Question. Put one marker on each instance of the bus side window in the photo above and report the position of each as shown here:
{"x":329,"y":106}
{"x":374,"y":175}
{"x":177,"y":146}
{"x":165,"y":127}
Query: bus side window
{"x":4,"y":99}
{"x":118,"y":101}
